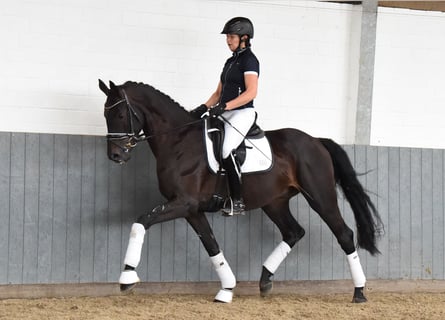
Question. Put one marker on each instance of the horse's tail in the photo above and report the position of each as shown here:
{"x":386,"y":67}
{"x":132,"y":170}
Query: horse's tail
{"x":367,"y":219}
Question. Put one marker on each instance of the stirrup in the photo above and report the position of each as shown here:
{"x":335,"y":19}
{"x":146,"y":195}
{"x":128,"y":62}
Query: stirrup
{"x":232,"y":207}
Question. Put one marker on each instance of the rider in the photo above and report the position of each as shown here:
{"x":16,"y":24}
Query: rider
{"x":233,"y":100}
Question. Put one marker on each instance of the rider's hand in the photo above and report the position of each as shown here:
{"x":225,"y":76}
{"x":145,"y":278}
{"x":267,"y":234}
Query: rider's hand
{"x":217,"y":110}
{"x":198,"y":111}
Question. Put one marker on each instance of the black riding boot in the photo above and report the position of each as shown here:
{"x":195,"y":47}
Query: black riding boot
{"x":233,"y":170}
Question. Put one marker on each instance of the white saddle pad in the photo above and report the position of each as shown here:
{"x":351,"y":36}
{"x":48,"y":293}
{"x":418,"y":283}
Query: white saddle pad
{"x":258,"y":154}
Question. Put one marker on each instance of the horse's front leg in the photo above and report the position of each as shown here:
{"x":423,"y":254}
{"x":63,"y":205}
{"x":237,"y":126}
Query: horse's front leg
{"x":162,"y":213}
{"x":202,"y":228}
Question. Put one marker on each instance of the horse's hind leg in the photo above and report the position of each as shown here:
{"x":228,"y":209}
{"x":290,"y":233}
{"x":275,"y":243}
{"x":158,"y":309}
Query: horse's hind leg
{"x":322,"y":197}
{"x":345,"y":237}
{"x":291,"y":232}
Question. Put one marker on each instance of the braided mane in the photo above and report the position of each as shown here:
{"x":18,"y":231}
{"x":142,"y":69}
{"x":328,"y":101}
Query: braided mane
{"x":151,"y":88}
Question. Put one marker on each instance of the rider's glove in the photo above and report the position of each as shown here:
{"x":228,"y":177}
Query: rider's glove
{"x":198,"y":111}
{"x":217,"y":110}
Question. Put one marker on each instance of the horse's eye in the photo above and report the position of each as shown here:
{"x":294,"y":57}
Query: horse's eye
{"x":120,"y":115}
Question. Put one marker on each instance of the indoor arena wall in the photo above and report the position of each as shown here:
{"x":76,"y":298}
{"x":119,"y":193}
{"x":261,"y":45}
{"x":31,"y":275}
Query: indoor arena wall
{"x":67,"y":212}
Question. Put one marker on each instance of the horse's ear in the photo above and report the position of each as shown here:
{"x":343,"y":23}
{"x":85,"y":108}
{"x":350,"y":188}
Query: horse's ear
{"x":112,"y":85}
{"x":104,"y":87}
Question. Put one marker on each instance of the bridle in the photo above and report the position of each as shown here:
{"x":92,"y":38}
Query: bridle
{"x":132,"y":138}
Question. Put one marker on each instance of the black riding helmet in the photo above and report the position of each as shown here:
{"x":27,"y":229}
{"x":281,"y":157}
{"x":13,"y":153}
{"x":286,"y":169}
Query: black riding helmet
{"x":240,"y":26}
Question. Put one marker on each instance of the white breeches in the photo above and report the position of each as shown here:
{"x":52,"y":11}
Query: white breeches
{"x":240,"y":121}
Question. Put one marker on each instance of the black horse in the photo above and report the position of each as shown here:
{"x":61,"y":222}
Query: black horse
{"x":312,"y":166}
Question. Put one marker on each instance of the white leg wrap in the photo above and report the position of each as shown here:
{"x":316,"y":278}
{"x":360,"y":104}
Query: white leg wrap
{"x":133,"y":255}
{"x":223,"y":270}
{"x":129,"y":277}
{"x":358,"y":276}
{"x":224,"y":295}
{"x":277,"y":256}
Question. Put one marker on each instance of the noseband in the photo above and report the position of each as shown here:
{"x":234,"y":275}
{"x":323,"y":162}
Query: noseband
{"x":131,"y":137}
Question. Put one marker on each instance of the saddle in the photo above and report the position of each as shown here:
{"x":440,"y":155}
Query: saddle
{"x":215,"y":133}
{"x":254,"y":155}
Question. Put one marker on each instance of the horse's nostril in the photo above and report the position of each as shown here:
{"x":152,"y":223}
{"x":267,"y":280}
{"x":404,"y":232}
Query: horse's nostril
{"x":115,"y":156}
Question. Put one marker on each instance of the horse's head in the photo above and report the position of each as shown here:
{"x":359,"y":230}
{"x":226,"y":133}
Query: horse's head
{"x":124,"y":124}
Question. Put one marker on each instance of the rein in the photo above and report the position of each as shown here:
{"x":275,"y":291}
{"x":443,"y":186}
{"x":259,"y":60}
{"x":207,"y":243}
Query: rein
{"x":170,"y":130}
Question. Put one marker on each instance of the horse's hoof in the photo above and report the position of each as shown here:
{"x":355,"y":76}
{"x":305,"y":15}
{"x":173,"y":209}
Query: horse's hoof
{"x":265,"y":288}
{"x":128,"y":280}
{"x":224,"y":296}
{"x":127,"y":287}
{"x":359,"y":297}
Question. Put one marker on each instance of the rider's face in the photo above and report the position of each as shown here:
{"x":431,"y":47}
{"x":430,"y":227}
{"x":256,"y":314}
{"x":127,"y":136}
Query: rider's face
{"x":233,"y":41}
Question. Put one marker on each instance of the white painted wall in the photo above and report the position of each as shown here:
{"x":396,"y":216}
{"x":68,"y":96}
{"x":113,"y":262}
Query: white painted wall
{"x":53,"y":52}
{"x":409,"y":81}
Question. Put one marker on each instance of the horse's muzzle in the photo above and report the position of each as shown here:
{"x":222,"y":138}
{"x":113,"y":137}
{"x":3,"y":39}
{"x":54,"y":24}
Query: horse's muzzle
{"x":116,"y":158}
{"x":117,"y":153}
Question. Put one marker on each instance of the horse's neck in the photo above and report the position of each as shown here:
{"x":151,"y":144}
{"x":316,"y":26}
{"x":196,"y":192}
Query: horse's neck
{"x":176,"y":141}
{"x":167,"y":123}
{"x":168,"y":112}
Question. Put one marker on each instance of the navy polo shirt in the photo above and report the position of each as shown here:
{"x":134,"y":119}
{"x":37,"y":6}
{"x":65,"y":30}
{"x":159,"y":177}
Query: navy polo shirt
{"x":232,"y":76}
